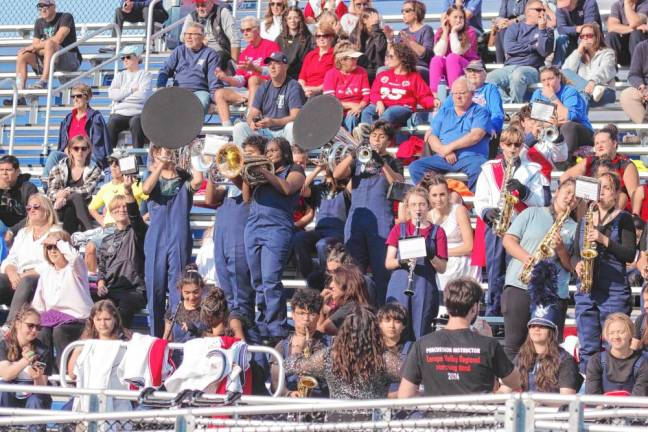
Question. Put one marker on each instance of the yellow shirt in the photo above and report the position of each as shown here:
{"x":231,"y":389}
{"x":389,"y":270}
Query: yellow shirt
{"x":108,"y":192}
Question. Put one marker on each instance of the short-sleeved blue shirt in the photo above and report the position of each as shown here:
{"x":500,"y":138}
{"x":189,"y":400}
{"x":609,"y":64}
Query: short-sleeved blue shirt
{"x":568,"y":96}
{"x":276,"y":102}
{"x":448,"y":126}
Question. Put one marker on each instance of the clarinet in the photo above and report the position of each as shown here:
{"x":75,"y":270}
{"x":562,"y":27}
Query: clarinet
{"x":412,"y":264}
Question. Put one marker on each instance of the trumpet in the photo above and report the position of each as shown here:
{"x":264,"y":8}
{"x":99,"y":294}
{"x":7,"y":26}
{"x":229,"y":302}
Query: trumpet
{"x":306,"y":383}
{"x":231,"y":162}
{"x":549,"y":134}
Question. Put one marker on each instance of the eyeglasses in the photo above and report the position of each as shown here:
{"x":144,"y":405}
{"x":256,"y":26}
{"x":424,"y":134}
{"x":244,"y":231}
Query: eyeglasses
{"x":127,"y":57}
{"x":325,"y":36}
{"x":193,"y":35}
{"x":33,"y":326}
{"x":77,"y":96}
{"x":51,"y":247}
{"x":79,"y":149}
{"x":407,"y":10}
{"x":277,"y":4}
{"x":586,"y":36}
{"x":247,"y":29}
{"x":41,"y":6}
{"x":32,"y":207}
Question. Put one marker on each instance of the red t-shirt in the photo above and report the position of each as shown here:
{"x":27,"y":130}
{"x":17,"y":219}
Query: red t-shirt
{"x":406,"y":90}
{"x":255,"y":54}
{"x":340,"y":9}
{"x":441,"y":239}
{"x":315,"y":67}
{"x":77,"y":126}
{"x":351,"y":87}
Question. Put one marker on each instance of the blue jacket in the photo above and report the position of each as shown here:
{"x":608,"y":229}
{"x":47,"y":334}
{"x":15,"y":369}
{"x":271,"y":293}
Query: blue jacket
{"x":97,"y":132}
{"x":140,"y":4}
{"x":573,"y":101}
{"x":586,"y":11}
{"x":488,"y":96}
{"x":527,"y":45}
{"x":192,"y":70}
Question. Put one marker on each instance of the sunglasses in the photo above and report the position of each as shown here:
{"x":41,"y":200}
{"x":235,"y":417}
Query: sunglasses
{"x":325,"y":36}
{"x":77,"y":96}
{"x":277,"y":4}
{"x":408,"y":10}
{"x":78,"y":149}
{"x":51,"y":247}
{"x":32,"y":326}
{"x":40,"y":6}
{"x":194,"y":35}
{"x":586,"y":36}
{"x":247,"y":29}
{"x":127,"y":57}
{"x":32,"y":207}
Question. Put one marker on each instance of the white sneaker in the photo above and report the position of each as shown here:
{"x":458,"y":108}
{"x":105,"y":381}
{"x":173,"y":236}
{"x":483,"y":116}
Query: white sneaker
{"x":597,"y":93}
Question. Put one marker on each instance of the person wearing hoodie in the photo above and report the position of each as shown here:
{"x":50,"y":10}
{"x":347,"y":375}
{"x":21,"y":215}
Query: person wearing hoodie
{"x":129,"y":91}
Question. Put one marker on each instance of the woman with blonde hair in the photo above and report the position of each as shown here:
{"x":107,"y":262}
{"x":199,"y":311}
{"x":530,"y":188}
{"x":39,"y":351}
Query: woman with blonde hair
{"x":18,"y":273}
{"x":318,"y":61}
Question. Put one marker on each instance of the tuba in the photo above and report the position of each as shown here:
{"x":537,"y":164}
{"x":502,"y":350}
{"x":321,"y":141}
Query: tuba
{"x":231,"y":162}
{"x":588,"y":252}
{"x":506,"y":202}
{"x":545,"y":249}
{"x":306,"y":383}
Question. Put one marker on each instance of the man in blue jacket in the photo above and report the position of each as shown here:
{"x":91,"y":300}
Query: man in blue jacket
{"x":571,"y":15}
{"x":193,"y":66}
{"x":526,"y":44}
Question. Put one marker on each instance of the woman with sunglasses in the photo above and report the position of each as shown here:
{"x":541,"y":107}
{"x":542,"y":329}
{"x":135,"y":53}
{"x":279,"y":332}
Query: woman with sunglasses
{"x":417,"y":36}
{"x":19,"y":276}
{"x":268,"y":235}
{"x":129,"y":91}
{"x":369,"y":38}
{"x":317,"y":62}
{"x":274,"y":20}
{"x":25,"y":360}
{"x":316,"y":8}
{"x":349,"y":20}
{"x":295,"y":40}
{"x":592,"y":67}
{"x":71,"y":184}
{"x":62,"y":297}
{"x":84,"y":121}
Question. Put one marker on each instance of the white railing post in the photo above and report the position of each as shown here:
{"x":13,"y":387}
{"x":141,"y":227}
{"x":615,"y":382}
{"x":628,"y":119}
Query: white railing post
{"x":149,"y":29}
{"x":50,"y":78}
{"x":258,"y":12}
{"x":576,"y":418}
{"x":158,"y":34}
{"x":14,"y":111}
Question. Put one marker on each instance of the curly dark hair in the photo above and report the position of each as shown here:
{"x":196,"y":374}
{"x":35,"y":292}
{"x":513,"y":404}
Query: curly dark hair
{"x":213,"y":309}
{"x":548,"y":364}
{"x":308,"y":299}
{"x":358,"y":349}
{"x":406,"y":56}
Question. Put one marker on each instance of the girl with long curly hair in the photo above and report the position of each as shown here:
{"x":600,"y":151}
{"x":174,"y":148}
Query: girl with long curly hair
{"x":346,"y":291}
{"x":357,"y":365}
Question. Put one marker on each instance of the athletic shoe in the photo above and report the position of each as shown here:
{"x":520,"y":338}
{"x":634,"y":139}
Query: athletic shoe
{"x":361,"y":133}
{"x":39,"y":85}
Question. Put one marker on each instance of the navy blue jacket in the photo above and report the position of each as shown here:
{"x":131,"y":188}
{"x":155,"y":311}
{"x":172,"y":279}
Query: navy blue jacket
{"x":97,"y":132}
{"x":527,"y":45}
{"x":192,"y":70}
{"x":586,"y":11}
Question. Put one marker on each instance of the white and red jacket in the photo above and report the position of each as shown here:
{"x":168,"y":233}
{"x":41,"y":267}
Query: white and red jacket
{"x":314,"y":8}
{"x":407,"y":90}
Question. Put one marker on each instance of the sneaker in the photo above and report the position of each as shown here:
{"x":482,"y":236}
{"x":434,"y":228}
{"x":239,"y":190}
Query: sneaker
{"x":597,"y":93}
{"x":361,"y":132}
{"x":9,"y":102}
{"x":106,"y":50}
{"x":39,"y":85}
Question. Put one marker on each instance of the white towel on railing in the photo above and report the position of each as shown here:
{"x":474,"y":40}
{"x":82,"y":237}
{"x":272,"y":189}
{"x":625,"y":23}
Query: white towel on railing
{"x":146,"y":362}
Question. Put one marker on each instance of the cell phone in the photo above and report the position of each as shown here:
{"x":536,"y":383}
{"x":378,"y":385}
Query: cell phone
{"x":38,"y":365}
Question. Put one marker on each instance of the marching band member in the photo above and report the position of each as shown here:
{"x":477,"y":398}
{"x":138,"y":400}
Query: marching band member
{"x":268,"y":235}
{"x":525,"y":235}
{"x":611,"y":233}
{"x":371,"y":216}
{"x":168,"y":241}
{"x":605,"y":147}
{"x":232,"y":268}
{"x":527,"y":183}
{"x":425,"y":300}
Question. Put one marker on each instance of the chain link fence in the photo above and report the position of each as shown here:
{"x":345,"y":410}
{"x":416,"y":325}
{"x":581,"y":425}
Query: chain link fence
{"x":84,"y":11}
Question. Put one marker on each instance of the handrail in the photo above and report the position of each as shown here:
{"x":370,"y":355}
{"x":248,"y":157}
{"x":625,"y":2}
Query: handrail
{"x":156,"y":35}
{"x":258,"y":11}
{"x":50,"y":79}
{"x":149,"y":28}
{"x":281,"y":384}
{"x":14,"y":112}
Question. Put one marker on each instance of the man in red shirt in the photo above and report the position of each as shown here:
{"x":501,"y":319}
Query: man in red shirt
{"x":251,"y":71}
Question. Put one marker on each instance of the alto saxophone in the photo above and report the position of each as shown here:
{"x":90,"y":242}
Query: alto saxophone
{"x":545,"y":249}
{"x":506,"y":201}
{"x":306,"y":383}
{"x":588,"y":252}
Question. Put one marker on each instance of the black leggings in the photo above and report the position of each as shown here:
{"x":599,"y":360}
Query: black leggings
{"x":57,"y":338}
{"x":576,"y":135}
{"x":118,"y":123}
{"x":75,"y":215}
{"x":24,"y":293}
{"x":128,"y":302}
{"x":516,"y":309}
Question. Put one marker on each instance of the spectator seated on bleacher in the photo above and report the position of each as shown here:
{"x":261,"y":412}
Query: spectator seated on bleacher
{"x":570,"y":114}
{"x":62,"y":296}
{"x":458,"y":136}
{"x":396,"y":92}
{"x":317,"y":62}
{"x":591,"y":67}
{"x":571,"y":16}
{"x":627,"y":26}
{"x":274,"y":19}
{"x":527,"y":44}
{"x":417,"y":36}
{"x":71,"y":184}
{"x":82,"y":121}
{"x":193,"y":66}
{"x":136,"y":11}
{"x":275,"y":106}
{"x":473,"y":10}
{"x":455,"y":45}
{"x":315,"y":9}
{"x":369,"y":38}
{"x":15,"y":190}
{"x":295,"y":40}
{"x":129,"y":91}
{"x":634,"y":98}
{"x":511,"y":12}
{"x":53,"y":31}
{"x":19,"y":271}
{"x":349,"y":20}
{"x":25,"y":360}
{"x":220,"y":29}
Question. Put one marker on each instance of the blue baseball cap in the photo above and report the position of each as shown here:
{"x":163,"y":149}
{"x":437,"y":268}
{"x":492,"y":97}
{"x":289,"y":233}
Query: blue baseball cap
{"x":546,"y":316}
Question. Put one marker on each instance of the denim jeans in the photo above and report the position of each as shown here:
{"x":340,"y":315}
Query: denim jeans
{"x":564,"y":46}
{"x":53,"y":158}
{"x":513,"y":81}
{"x":350,"y":122}
{"x":609,"y":96}
{"x":242,"y":130}
{"x":468,"y":163}
{"x":397,"y":115}
{"x":205,"y":98}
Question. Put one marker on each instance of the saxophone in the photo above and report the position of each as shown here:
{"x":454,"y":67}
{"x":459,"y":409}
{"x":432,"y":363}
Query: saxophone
{"x":545,"y":249}
{"x":506,"y":202}
{"x":306,"y":383}
{"x":588,"y":252}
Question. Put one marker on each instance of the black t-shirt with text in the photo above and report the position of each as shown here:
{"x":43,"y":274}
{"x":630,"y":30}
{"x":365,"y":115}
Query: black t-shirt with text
{"x":456,"y":362}
{"x":46,"y":30}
